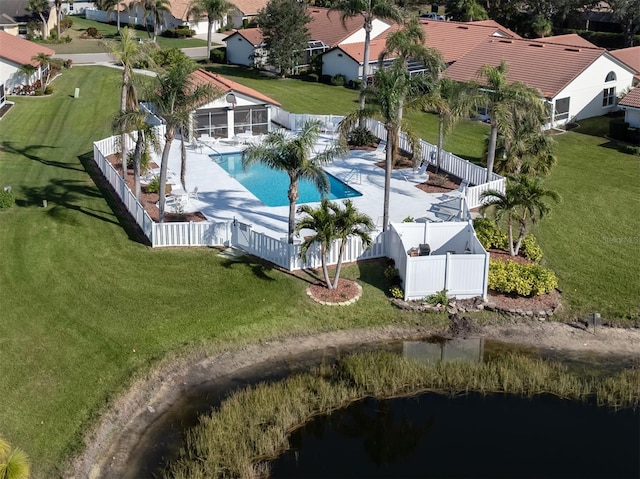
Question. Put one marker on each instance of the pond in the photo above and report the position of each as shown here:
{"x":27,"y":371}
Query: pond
{"x":460,"y":437}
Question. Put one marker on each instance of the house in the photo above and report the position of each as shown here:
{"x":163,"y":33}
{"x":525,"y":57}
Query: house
{"x":576,"y":81}
{"x":452,"y":39}
{"x":15,"y":52}
{"x":14,"y":18}
{"x":238,"y":109}
{"x":326,"y":30}
{"x":630,"y":103}
{"x":630,"y":56}
{"x":245,"y":11}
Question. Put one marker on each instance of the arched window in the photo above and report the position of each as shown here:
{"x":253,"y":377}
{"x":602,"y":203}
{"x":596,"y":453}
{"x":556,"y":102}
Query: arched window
{"x":611,"y":76}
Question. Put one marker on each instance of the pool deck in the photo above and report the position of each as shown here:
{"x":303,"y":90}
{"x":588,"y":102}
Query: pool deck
{"x":223,"y":198}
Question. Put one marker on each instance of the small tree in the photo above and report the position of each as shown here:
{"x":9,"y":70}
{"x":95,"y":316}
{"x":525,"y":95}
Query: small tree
{"x":39,"y":7}
{"x":51,"y":63}
{"x":331,"y":222}
{"x":284,"y":28}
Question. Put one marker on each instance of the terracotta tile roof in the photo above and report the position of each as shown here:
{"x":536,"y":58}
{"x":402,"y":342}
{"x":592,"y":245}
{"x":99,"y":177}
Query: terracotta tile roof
{"x":631,"y":99}
{"x":20,"y":51}
{"x":356,"y":50}
{"x":327,"y":27}
{"x":529,"y":61}
{"x":201,"y":77}
{"x":629,"y":56}
{"x":570,"y":39}
{"x":496,"y":25}
{"x":179,"y":8}
{"x":456,"y":39}
{"x":250,"y":7}
{"x":252,"y":35}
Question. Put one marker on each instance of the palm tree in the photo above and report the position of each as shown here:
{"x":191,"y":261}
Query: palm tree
{"x":392,"y":90}
{"x":174,"y":99}
{"x":155,"y":10}
{"x":127,"y":52}
{"x":27,"y":70}
{"x":368,"y":9}
{"x":116,"y":6}
{"x":523,"y":202}
{"x":44,"y":59}
{"x":215,"y":10}
{"x":294,"y":155}
{"x":501,"y":98}
{"x":39,"y":7}
{"x":443,"y":98}
{"x":14,"y":462}
{"x":466,"y":10}
{"x":58,"y":5}
{"x":408,"y":44}
{"x":332,"y":222}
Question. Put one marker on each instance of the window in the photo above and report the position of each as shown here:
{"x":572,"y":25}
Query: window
{"x":609,"y":96}
{"x":611,"y":76}
{"x":22,"y":30}
{"x":562,"y":109}
{"x":2,"y":96}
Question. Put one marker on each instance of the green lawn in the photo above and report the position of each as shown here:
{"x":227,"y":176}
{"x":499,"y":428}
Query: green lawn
{"x":108,"y":31}
{"x":85,"y":306}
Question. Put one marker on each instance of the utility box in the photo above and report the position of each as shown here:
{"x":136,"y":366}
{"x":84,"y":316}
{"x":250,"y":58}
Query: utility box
{"x":76,"y":93}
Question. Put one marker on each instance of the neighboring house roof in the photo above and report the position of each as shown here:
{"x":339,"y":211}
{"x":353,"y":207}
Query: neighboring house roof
{"x":203,"y":77}
{"x":252,"y":35}
{"x":548,"y":67}
{"x":629,"y":56}
{"x":326,"y":26}
{"x":494,"y":24}
{"x":631,"y":99}
{"x":6,"y":20}
{"x":456,"y":39}
{"x":179,"y":8}
{"x":17,"y":11}
{"x":250,"y":7}
{"x":20,"y":51}
{"x":571,"y":39}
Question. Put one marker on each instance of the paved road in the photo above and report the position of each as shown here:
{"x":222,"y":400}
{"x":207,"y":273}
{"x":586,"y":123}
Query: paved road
{"x":196,"y":53}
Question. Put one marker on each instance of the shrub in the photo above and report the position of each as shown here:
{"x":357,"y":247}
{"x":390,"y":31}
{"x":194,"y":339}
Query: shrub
{"x":530,"y":248}
{"x":338,"y":80}
{"x":179,"y":32}
{"x":409,"y":219}
{"x":6,"y":199}
{"x":218,"y":55}
{"x":66,"y":23}
{"x":92,"y":32}
{"x":168,"y":56}
{"x":361,"y":136}
{"x":439,"y":179}
{"x":312,"y":77}
{"x":489,"y":235}
{"x":522,"y":279}
{"x":631,"y":150}
{"x":326,"y":79}
{"x":355,"y":84}
{"x":67,"y":63}
{"x":154,"y":185}
{"x":48,"y":90}
{"x":396,"y":292}
{"x":439,"y":298}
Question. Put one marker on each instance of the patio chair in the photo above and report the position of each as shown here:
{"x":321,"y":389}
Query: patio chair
{"x":193,"y":194}
{"x":380,"y":151}
{"x":463,"y":186}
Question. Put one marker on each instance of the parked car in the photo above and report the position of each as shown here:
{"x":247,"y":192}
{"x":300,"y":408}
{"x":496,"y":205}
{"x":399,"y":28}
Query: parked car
{"x":432,"y":16}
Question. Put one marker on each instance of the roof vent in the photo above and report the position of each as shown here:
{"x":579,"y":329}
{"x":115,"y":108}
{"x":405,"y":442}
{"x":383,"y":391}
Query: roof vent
{"x":505,"y":41}
{"x":539,"y":45}
{"x":462,"y":27}
{"x":572,"y":49}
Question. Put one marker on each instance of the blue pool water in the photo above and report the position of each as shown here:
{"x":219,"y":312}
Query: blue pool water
{"x":271,"y":186}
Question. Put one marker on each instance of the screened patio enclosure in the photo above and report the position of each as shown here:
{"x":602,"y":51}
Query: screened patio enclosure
{"x":227,"y":122}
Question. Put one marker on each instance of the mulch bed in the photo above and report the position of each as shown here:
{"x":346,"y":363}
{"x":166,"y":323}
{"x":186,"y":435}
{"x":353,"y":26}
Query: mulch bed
{"x":345,"y":291}
{"x":149,"y":200}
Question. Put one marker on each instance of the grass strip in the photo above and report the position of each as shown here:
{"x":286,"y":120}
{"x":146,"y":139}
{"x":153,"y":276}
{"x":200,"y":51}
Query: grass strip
{"x":253,"y":425}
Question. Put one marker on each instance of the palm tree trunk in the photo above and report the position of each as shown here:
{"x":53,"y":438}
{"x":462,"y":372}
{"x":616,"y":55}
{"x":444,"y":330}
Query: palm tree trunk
{"x":137,"y":153}
{"x":293,"y":197}
{"x":339,"y":265}
{"x":365,"y":60}
{"x":440,"y":140}
{"x":387,"y":176}
{"x":126,"y":79}
{"x":325,"y":269}
{"x":491,"y":153}
{"x":210,"y":27}
{"x":164,"y":165}
{"x":510,"y":227}
{"x":118,"y":19}
{"x":58,"y":20}
{"x":183,"y":159}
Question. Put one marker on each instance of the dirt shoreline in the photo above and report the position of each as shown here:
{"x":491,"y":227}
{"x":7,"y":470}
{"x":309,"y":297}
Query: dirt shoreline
{"x":108,"y":445}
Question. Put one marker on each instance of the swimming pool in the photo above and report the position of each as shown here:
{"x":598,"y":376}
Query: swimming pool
{"x":271,"y":186}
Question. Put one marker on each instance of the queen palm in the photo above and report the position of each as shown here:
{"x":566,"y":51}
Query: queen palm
{"x":501,"y":99}
{"x":331,"y":222}
{"x":215,"y":10}
{"x":523,"y":202}
{"x":154,"y":10}
{"x":174,"y":99}
{"x":293,"y":154}
{"x":14,"y":462}
{"x":393,"y":89}
{"x":117,"y":6}
{"x":368,"y":10}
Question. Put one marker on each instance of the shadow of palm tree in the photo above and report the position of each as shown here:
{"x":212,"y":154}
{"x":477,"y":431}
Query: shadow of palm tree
{"x":29,"y":152}
{"x":258,"y":267}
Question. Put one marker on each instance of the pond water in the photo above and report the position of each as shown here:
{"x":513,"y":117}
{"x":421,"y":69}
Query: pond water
{"x":163,"y":438}
{"x":432,"y":435}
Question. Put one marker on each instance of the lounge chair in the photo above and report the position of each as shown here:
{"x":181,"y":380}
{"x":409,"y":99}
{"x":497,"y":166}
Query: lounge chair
{"x":193,"y":194}
{"x":380,"y":151}
{"x":463,"y":186}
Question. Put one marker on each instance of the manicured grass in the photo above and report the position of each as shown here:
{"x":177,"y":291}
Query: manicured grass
{"x":85,"y":306}
{"x":109,"y":32}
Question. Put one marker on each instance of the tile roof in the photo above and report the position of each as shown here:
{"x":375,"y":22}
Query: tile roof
{"x":202,"y":77}
{"x":456,"y":39}
{"x":494,"y":24}
{"x":327,"y":27}
{"x":252,"y":35}
{"x":17,"y":10}
{"x":250,"y":7}
{"x":570,"y":39}
{"x":631,"y":99}
{"x":179,"y":8}
{"x":20,"y":51}
{"x":629,"y":56}
{"x":529,"y":61}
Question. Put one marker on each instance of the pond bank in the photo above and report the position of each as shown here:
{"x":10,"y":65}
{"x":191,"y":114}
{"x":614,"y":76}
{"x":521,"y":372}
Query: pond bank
{"x":108,"y":446}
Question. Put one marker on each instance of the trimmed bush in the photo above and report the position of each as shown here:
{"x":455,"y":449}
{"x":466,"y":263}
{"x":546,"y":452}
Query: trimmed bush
{"x":361,"y":136}
{"x":355,"y":84}
{"x":338,"y":80}
{"x":218,"y":55}
{"x":530,"y":248}
{"x":7,"y":199}
{"x":522,"y":279}
{"x":631,"y":150}
{"x":179,"y":32}
{"x":489,"y":235}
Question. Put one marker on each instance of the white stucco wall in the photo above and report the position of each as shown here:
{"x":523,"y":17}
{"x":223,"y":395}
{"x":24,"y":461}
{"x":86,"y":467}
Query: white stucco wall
{"x":378,"y":27}
{"x":73,"y":8}
{"x":11,"y":76}
{"x":335,"y":61}
{"x":239,"y":51}
{"x":587,"y":89}
{"x":632,"y":116}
